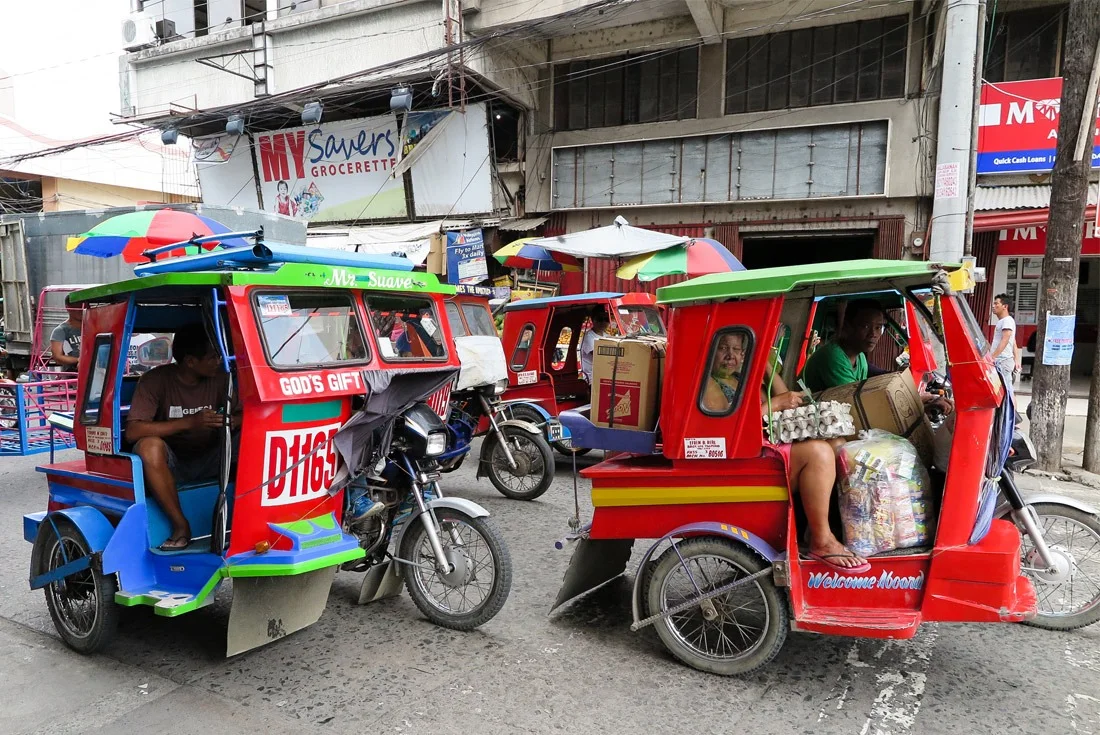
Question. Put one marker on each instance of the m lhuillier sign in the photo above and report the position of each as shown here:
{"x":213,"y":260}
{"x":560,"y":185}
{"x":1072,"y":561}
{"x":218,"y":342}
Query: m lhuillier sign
{"x":332,"y":172}
{"x":1018,"y":126}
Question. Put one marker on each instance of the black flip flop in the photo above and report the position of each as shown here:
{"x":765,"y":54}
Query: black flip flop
{"x":168,"y":544}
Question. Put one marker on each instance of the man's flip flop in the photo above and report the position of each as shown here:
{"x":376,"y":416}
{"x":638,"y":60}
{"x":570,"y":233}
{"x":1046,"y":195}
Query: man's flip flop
{"x":175,"y":543}
{"x":824,"y":559}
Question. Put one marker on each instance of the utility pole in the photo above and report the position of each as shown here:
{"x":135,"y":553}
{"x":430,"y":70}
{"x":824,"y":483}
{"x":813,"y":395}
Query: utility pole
{"x":1069,"y":185}
{"x":949,"y":237}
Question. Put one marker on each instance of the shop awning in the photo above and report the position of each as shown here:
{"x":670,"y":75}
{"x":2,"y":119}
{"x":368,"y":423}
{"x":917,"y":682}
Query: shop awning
{"x":1002,"y":207}
{"x":411,"y":240}
{"x":525,"y":224}
{"x":1032,"y":196}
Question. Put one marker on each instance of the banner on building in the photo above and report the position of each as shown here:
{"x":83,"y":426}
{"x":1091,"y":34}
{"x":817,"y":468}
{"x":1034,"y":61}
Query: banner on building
{"x":1018,"y":126}
{"x":466,"y":257}
{"x":332,"y":172}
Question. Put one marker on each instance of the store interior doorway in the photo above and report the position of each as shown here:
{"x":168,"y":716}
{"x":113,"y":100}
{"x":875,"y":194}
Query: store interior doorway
{"x":771,"y":251}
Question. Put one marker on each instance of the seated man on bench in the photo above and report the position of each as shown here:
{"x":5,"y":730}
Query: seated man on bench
{"x":176,"y":419}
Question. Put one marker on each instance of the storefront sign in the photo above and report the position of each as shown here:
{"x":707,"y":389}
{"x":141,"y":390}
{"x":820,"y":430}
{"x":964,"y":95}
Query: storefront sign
{"x":1032,"y":240}
{"x":1058,"y":345}
{"x":466,"y":257}
{"x":1018,"y":126}
{"x":332,"y":172}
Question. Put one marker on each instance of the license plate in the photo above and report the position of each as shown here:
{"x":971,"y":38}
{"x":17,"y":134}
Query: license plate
{"x":554,"y":431}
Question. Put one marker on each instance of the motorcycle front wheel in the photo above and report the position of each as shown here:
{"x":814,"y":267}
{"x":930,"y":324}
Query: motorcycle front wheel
{"x":1070,"y":598}
{"x":534,"y":470}
{"x":475,"y":589}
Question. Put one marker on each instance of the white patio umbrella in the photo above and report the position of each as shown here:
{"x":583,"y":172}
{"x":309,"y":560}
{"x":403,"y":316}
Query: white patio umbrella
{"x":618,"y":240}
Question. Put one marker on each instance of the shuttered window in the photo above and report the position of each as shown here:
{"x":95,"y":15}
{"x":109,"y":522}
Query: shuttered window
{"x":624,"y":90}
{"x":790,"y":163}
{"x":850,"y":62}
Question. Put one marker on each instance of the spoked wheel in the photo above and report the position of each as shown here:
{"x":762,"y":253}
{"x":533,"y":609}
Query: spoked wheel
{"x":564,"y":446}
{"x":82,"y":605}
{"x":534,"y":470}
{"x":477,"y":586}
{"x":9,"y":412}
{"x":1069,"y":596}
{"x":735,"y":632}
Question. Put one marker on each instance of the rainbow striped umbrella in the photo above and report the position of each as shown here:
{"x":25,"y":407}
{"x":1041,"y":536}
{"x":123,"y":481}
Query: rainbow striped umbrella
{"x":696,"y":257}
{"x":132,"y":233}
{"x":521,"y":254}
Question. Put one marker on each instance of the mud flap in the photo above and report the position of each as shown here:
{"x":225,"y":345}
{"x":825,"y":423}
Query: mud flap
{"x":265,"y":609}
{"x":381,"y":581}
{"x":595,"y":563}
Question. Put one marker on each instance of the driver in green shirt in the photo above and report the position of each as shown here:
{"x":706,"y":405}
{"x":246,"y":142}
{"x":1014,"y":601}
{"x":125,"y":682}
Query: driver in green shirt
{"x":844,"y":360}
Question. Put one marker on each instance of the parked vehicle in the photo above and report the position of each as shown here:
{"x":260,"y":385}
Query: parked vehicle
{"x":515,"y":453}
{"x":728,"y":576}
{"x":329,"y":396}
{"x":535,"y":331}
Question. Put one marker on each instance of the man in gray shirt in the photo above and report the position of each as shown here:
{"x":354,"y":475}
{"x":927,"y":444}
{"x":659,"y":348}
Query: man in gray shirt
{"x":65,"y":340}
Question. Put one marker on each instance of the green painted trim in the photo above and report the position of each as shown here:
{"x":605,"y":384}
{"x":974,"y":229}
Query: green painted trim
{"x":296,"y":413}
{"x":765,"y":282}
{"x":299,"y":275}
{"x":289,"y":570}
{"x":128,"y":600}
{"x":141,"y":284}
{"x":323,"y":541}
{"x":327,"y":522}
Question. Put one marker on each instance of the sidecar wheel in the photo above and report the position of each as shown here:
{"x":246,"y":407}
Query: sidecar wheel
{"x":1074,"y":536}
{"x":475,"y":591}
{"x":741,"y":631}
{"x":83,"y":604}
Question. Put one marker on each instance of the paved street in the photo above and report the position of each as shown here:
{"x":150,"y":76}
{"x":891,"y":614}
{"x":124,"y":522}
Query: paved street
{"x":382,"y":668}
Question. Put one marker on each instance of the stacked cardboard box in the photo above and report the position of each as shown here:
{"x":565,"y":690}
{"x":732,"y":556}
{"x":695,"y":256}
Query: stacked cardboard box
{"x":626,"y":377}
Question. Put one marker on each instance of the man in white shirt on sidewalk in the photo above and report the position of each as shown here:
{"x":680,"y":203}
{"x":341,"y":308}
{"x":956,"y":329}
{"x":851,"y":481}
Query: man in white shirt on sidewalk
{"x":1004,"y":339}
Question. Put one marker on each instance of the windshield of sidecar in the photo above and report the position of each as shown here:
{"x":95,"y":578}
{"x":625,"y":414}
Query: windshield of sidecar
{"x":407,"y":327}
{"x":309,"y":328}
{"x":639,"y":321}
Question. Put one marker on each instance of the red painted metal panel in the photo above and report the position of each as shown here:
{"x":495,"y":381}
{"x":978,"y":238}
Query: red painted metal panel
{"x":766,"y":519}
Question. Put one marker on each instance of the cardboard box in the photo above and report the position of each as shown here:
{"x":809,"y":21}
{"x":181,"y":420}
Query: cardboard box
{"x":889,"y":402}
{"x":626,"y":373}
{"x":437,"y":255}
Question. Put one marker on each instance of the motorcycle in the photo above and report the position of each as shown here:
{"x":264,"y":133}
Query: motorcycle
{"x":453,"y":559}
{"x":1061,"y":545}
{"x":515,"y":454}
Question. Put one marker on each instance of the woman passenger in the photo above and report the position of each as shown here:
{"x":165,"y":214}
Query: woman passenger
{"x":811,"y":464}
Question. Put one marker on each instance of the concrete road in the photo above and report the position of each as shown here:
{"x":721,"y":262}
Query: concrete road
{"x":383,"y":669}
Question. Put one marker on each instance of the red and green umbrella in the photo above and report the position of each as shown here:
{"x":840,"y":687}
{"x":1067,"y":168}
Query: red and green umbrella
{"x":521,"y":254}
{"x":696,"y":257}
{"x":132,"y":233}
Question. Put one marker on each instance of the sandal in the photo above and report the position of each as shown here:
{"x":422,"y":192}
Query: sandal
{"x":175,"y":543}
{"x":824,"y":559}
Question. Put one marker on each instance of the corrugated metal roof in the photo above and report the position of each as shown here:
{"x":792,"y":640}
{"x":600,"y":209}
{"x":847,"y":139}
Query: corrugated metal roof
{"x":1033,"y":196}
{"x":523,"y":225}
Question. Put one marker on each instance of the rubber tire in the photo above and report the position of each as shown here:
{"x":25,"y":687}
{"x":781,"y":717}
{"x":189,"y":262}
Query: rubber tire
{"x":1080,"y":620}
{"x":105,"y":588}
{"x":502,"y":579}
{"x":546,"y":455}
{"x":749,"y":562}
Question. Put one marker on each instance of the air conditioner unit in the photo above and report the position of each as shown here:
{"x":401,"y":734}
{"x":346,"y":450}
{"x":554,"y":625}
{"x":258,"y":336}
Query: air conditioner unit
{"x":138,"y":31}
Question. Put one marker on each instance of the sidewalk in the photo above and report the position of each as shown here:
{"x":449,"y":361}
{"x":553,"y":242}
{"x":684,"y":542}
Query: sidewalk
{"x":47,"y":688}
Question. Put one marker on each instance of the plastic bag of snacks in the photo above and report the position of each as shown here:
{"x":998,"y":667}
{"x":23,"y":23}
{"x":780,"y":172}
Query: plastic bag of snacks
{"x":824,"y":420}
{"x":884,"y":500}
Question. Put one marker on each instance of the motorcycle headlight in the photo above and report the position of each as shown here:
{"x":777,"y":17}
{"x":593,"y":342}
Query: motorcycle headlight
{"x":500,"y":386}
{"x":437,"y":444}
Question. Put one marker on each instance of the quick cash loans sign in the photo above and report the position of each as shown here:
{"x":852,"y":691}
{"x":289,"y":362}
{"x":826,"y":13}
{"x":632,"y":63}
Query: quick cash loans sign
{"x":332,"y":172}
{"x":1018,"y":126}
